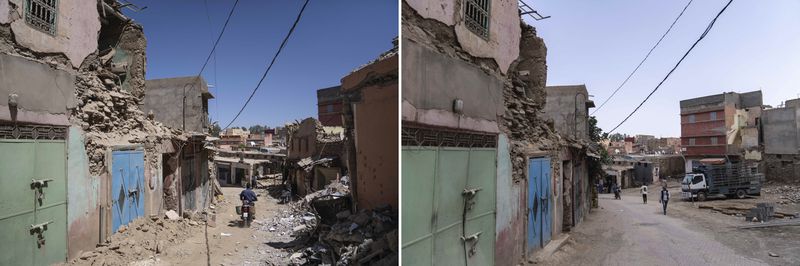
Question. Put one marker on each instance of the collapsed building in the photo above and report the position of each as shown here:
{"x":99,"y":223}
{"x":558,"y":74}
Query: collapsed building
{"x":481,"y":159}
{"x":348,"y":175}
{"x":73,"y":137}
{"x":314,"y":155}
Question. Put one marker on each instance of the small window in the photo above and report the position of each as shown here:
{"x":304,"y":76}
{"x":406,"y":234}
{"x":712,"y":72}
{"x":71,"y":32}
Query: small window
{"x":713,"y":140}
{"x":713,"y":116}
{"x":330,"y":108}
{"x":41,"y":15}
{"x":692,"y":141}
{"x":691,"y":118}
{"x":476,"y":17}
{"x":697,"y":179}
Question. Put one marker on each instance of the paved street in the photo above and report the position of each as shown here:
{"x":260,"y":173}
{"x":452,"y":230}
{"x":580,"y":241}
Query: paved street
{"x":627,"y":232}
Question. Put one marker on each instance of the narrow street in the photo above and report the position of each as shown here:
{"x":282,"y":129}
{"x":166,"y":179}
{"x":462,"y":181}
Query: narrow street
{"x":628,"y":232}
{"x":187,"y":242}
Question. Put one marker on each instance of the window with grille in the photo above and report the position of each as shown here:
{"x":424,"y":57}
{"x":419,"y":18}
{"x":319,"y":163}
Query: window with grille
{"x":692,"y":142}
{"x":713,"y":115}
{"x":476,"y":16}
{"x":41,"y":14}
{"x":714,"y":141}
{"x":691,"y":118}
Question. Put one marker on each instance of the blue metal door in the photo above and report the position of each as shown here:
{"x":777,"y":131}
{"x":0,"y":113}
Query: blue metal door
{"x":127,"y":185}
{"x":539,"y":203}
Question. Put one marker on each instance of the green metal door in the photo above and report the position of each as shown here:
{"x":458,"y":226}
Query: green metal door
{"x":448,"y":205}
{"x":33,"y":202}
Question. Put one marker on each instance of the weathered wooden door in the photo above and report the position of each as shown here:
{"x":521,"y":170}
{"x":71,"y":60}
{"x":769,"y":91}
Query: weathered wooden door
{"x":33,"y":201}
{"x":127,"y":187}
{"x":539,"y":203}
{"x":448,"y":205}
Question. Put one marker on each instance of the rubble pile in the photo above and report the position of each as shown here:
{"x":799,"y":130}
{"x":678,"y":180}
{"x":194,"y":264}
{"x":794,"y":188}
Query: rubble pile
{"x":142,"y":239}
{"x":324,"y":230}
{"x":110,"y":114}
{"x":525,"y":125}
{"x":368,"y":237}
{"x":788,"y":194}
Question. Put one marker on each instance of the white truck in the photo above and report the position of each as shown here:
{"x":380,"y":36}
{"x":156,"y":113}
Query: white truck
{"x":729,"y":179}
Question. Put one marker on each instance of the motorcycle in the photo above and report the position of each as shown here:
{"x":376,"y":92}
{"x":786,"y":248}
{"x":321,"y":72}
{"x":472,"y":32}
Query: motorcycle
{"x":247,"y":210}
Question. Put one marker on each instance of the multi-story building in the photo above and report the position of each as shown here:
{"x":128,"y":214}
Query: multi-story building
{"x":721,"y":126}
{"x":329,"y":106}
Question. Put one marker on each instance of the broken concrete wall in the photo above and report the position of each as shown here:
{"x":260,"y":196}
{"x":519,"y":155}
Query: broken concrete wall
{"x":375,"y":125}
{"x":77,"y":28}
{"x":502,"y":44}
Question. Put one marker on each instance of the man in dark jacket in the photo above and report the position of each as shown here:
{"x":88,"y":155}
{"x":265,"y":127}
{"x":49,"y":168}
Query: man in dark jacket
{"x":664,"y":199}
{"x":248,"y":194}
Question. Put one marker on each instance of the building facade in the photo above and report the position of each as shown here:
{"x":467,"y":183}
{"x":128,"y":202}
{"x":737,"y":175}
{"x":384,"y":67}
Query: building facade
{"x":473,"y":132}
{"x":76,"y":132}
{"x":329,"y":106}
{"x":721,"y":126}
{"x":371,"y":94}
{"x":179,"y":103}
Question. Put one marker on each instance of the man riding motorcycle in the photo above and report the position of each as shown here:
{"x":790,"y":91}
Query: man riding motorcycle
{"x":248,"y":196}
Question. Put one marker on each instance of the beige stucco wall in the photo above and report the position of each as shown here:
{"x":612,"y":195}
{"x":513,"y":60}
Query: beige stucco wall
{"x":3,"y":12}
{"x":504,"y":29}
{"x":77,"y":28}
{"x":441,"y":10}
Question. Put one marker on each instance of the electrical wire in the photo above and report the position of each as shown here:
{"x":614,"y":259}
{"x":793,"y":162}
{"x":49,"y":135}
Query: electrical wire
{"x":644,"y":59}
{"x":283,"y":44}
{"x":708,"y":29}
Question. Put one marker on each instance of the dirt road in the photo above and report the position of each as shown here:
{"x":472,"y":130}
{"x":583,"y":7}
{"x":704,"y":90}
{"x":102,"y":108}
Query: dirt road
{"x":628,"y":232}
{"x":188,"y":242}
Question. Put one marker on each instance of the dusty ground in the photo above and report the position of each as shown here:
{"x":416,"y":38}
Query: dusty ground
{"x":191,"y":242}
{"x":628,"y":232}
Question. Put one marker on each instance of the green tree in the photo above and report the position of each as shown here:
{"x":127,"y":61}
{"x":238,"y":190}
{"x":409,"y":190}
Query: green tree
{"x":617,"y":137}
{"x":214,"y":129}
{"x":257,"y":129}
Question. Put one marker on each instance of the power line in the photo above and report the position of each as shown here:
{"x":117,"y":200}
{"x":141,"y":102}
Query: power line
{"x":708,"y":29}
{"x":644,"y":59}
{"x":283,"y":44}
{"x":213,"y":49}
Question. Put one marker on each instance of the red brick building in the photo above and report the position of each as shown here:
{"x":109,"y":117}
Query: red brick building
{"x":720,"y":126}
{"x":329,"y":106}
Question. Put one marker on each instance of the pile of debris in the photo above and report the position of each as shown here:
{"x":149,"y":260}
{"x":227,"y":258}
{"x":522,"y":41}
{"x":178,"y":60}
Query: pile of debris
{"x":143,"y":239}
{"x":368,"y":237}
{"x":787,"y":193}
{"x":325,"y":231}
{"x":759,"y":212}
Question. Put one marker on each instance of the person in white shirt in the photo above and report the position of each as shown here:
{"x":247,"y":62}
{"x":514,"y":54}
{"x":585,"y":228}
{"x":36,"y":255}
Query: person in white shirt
{"x":644,"y":193}
{"x":664,"y":199}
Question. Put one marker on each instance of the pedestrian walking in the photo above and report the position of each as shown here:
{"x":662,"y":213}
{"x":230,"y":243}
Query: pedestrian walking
{"x":664,"y":199}
{"x":644,"y":193}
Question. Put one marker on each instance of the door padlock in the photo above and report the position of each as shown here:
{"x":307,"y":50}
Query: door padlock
{"x":39,"y":229}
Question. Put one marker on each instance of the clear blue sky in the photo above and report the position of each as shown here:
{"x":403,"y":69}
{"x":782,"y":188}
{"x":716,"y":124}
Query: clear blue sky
{"x":332,"y":39}
{"x":754,"y":45}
